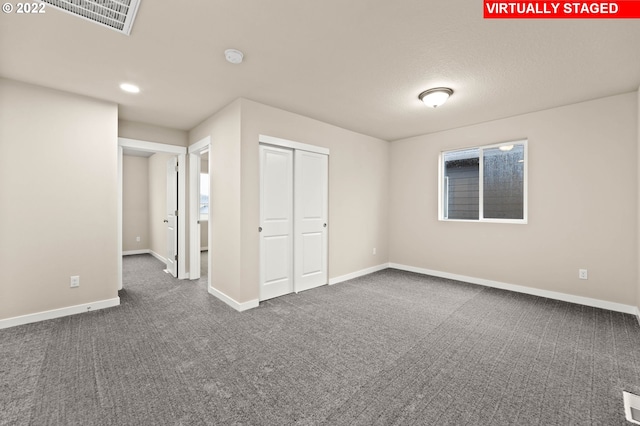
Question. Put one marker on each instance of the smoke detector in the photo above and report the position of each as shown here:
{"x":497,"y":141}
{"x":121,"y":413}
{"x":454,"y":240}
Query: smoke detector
{"x":115,"y":14}
{"x":234,"y":56}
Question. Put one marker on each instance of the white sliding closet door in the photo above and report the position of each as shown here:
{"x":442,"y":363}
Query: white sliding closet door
{"x":311,"y":191}
{"x":276,"y":222}
{"x":294,"y":192}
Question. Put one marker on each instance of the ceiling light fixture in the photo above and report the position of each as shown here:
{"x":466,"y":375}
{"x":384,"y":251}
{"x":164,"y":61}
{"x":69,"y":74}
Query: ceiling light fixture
{"x":234,"y":56}
{"x":131,"y":88}
{"x":436,"y":96}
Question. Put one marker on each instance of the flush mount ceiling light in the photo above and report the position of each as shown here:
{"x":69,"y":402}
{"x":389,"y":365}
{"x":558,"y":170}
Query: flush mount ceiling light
{"x":130,"y":88}
{"x":234,"y":56}
{"x":436,"y":96}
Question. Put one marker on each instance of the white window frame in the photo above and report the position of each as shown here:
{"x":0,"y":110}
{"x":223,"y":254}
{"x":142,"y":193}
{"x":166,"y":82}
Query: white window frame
{"x":442,"y":194}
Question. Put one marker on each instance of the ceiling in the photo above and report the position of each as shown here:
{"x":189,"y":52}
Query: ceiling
{"x":357,"y":64}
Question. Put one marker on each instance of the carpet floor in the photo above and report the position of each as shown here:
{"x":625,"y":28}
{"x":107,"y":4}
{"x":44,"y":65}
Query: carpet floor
{"x":388,"y":348}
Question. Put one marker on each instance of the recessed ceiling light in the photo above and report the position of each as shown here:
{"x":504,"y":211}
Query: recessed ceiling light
{"x":131,"y":88}
{"x":234,"y":56}
{"x":436,"y":96}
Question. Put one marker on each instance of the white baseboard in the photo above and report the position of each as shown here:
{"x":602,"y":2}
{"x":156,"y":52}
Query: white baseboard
{"x":57,"y":313}
{"x":638,"y":314}
{"x":132,"y":252}
{"x":359,"y":273}
{"x":596,"y":303}
{"x":238,"y":306}
{"x":157,"y":256}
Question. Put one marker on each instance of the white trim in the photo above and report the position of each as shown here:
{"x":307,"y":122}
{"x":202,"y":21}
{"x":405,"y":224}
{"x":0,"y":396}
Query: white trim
{"x":525,"y":194}
{"x":238,"y":306}
{"x":201,"y":145}
{"x":195,"y":151}
{"x":638,"y":315}
{"x":157,"y":256}
{"x":119,"y":219}
{"x":630,"y":401}
{"x":182,"y":217}
{"x":57,"y":313}
{"x":580,"y":300}
{"x":194,"y":213}
{"x":292,"y":144}
{"x":132,"y":252}
{"x":147,"y":146}
{"x":357,"y":274}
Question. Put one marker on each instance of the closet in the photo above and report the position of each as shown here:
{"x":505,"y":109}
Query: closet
{"x":293,"y":228}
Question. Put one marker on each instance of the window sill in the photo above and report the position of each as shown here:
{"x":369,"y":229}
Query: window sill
{"x":509,"y":221}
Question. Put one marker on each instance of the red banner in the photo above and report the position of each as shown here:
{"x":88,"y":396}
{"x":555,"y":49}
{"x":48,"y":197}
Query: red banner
{"x":622,"y":9}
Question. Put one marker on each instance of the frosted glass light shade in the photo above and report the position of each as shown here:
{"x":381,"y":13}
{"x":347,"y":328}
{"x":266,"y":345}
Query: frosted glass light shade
{"x":435,"y":97}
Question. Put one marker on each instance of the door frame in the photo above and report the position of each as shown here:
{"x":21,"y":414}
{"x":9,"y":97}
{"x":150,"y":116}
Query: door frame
{"x":297,"y":146}
{"x":195,"y":150}
{"x":172,"y":216}
{"x":284,"y":143}
{"x":147,"y":146}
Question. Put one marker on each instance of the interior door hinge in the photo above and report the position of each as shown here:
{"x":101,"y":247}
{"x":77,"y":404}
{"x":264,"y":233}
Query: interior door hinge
{"x":176,"y":212}
{"x":175,"y":257}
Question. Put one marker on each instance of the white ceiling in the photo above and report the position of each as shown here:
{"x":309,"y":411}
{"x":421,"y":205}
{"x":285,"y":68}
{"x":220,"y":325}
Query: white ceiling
{"x":358,"y":64}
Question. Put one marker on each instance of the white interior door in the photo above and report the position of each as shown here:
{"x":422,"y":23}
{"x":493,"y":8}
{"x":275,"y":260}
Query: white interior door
{"x":172,"y":216}
{"x":310,"y":227}
{"x":276,"y":222}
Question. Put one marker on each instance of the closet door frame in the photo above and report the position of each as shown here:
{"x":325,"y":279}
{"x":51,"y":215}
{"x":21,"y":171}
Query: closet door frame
{"x":298,"y":146}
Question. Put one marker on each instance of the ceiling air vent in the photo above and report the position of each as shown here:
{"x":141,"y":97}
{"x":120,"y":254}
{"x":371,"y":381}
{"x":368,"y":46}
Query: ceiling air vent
{"x":115,"y":14}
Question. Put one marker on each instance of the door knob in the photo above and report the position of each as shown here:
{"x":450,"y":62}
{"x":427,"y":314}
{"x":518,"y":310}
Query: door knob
{"x":259,"y":228}
{"x":165,"y":221}
{"x":324,"y":226}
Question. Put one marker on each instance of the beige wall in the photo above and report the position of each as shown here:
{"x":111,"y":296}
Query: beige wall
{"x":135,"y":203}
{"x":583,"y":210}
{"x":583,"y":198}
{"x":151,"y":133}
{"x":224,"y":158}
{"x":62,"y":220}
{"x":158,"y":203}
{"x":204,"y":234}
{"x":358,"y":188}
{"x":157,"y":182}
{"x":638,"y":218}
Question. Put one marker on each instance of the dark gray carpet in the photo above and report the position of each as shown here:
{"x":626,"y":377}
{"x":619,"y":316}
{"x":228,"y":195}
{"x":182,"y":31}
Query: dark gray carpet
{"x":389,"y":348}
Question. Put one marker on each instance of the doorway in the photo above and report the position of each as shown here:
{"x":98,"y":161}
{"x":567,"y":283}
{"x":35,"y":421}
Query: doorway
{"x":293,"y":217}
{"x":150,"y":148}
{"x":199,"y":211}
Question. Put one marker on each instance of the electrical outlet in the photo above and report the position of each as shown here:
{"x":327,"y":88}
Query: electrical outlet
{"x":75,"y":281}
{"x":138,"y":239}
{"x":374,"y":250}
{"x":583,"y":274}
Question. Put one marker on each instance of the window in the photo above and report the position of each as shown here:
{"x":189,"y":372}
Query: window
{"x":487,"y":183}
{"x":204,"y":196}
